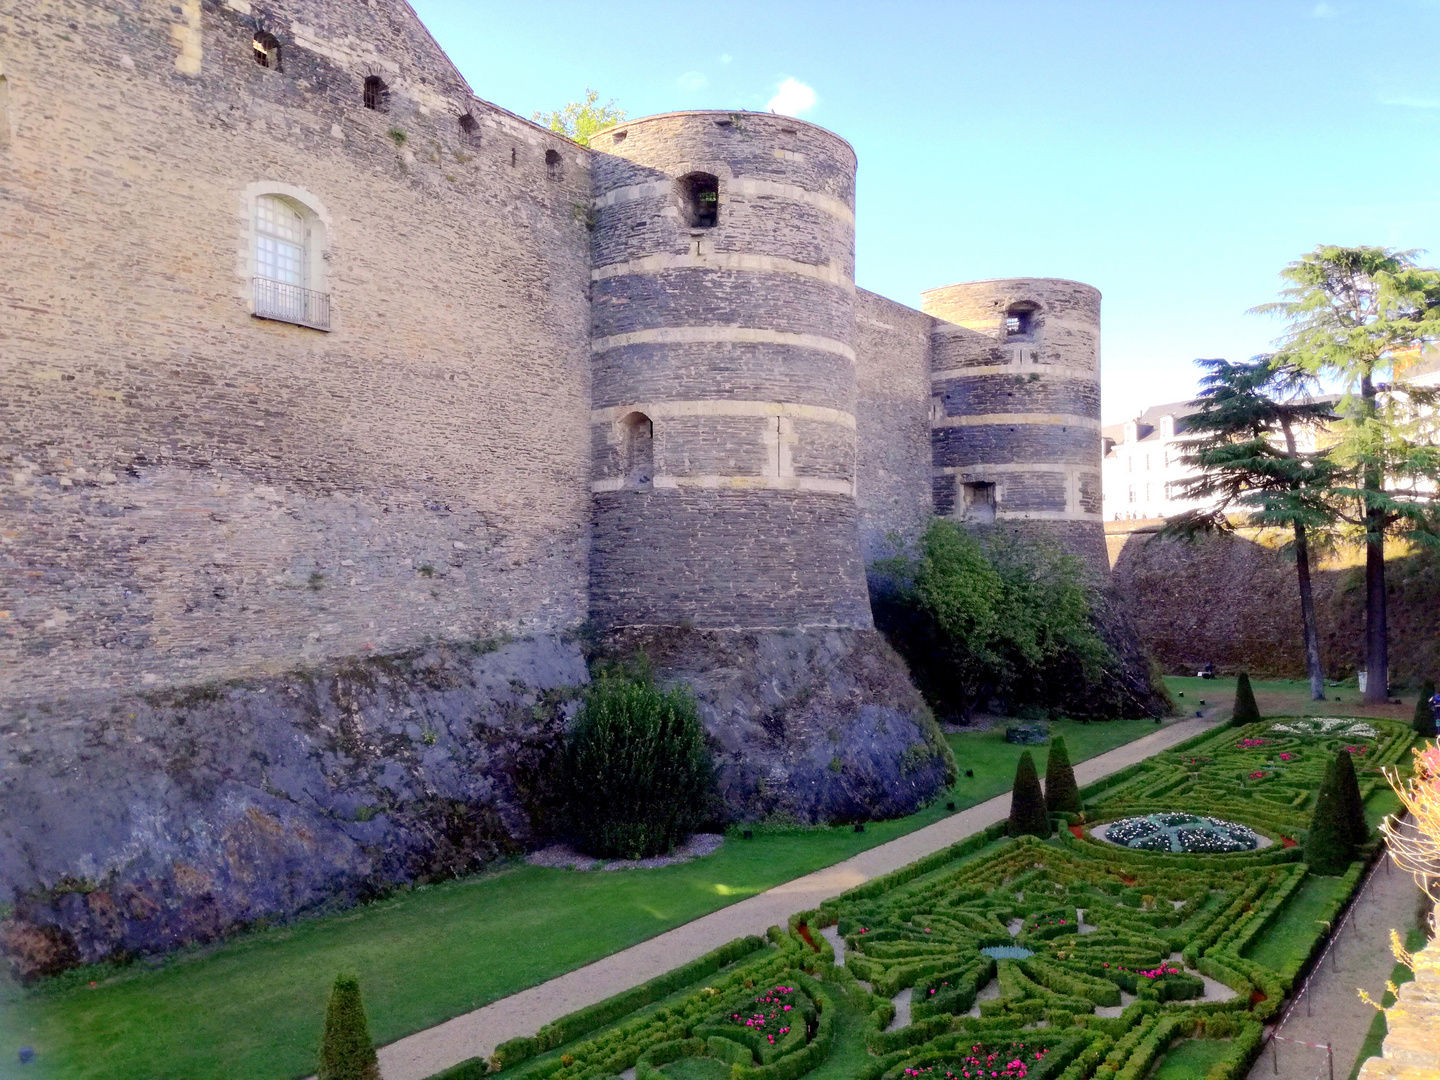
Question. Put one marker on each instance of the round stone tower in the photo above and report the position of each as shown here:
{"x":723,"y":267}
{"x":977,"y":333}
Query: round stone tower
{"x":723,"y":394}
{"x":1015,"y":408}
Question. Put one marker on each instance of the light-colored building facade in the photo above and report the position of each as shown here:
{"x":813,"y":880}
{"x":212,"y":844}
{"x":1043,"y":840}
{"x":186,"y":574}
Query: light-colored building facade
{"x":1141,"y":470}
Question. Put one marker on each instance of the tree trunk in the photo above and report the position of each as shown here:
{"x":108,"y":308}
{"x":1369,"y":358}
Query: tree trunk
{"x":1307,"y":616}
{"x":1377,"y":640}
{"x":1307,"y":596}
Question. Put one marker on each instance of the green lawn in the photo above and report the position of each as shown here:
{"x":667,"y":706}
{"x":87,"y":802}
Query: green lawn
{"x":1191,"y":1060}
{"x":252,"y":1007}
{"x":1293,"y":933}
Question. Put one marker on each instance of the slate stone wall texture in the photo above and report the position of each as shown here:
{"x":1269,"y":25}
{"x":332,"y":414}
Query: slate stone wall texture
{"x":1018,"y":406}
{"x":726,"y":348}
{"x":195,"y":493}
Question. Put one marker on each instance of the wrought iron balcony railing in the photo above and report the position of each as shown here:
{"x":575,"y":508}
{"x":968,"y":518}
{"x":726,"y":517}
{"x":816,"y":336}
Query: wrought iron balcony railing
{"x":284,"y":302}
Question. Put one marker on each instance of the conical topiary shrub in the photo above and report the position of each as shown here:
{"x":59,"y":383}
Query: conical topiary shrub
{"x":1245,"y":711}
{"x":1027,"y":802}
{"x":346,"y":1052}
{"x":1330,"y":843}
{"x":1350,"y":800}
{"x":1424,"y":717}
{"x":1062,"y":794}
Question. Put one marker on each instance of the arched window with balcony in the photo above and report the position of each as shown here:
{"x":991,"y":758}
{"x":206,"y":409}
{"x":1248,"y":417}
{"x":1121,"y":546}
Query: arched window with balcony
{"x":288,"y":277}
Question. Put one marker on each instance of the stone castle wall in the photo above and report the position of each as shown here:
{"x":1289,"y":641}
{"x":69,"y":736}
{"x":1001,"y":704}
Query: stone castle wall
{"x":892,"y":419}
{"x":290,"y":614}
{"x":193,"y":493}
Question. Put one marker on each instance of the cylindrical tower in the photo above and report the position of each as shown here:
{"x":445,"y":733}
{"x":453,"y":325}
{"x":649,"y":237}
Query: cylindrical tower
{"x":723,"y":418}
{"x":1015,"y":408}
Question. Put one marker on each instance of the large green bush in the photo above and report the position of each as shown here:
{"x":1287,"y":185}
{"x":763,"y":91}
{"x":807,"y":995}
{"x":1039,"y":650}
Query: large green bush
{"x":636,"y":777}
{"x":992,"y":617}
{"x":346,"y":1052}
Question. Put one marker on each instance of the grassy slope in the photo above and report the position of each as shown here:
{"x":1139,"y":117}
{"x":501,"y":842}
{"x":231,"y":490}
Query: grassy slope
{"x":253,"y":1006}
{"x":1414,"y":941}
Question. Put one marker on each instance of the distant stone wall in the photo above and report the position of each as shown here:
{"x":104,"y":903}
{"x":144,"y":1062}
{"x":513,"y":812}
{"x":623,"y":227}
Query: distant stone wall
{"x":892,"y":421}
{"x":1235,"y":603}
{"x":193,"y":493}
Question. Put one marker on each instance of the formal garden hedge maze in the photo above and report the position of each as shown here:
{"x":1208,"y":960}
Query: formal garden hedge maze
{"x":1024,"y":959}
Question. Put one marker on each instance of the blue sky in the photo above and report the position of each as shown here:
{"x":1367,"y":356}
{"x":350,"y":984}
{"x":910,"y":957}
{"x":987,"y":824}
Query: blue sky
{"x":1173,"y":154}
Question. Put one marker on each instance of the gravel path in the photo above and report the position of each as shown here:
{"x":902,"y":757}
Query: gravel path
{"x":477,"y":1033}
{"x":1336,"y":1014}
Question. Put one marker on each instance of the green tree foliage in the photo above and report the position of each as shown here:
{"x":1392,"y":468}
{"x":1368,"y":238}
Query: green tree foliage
{"x":1424,"y":715}
{"x":1330,"y":841}
{"x":581,"y":119}
{"x":1245,"y":710}
{"x":993,"y":617}
{"x":346,"y":1052}
{"x":1358,"y":317}
{"x":1028,"y":816}
{"x":1062,"y":794}
{"x":1242,"y":442}
{"x":636,"y":776}
{"x":1350,"y":800}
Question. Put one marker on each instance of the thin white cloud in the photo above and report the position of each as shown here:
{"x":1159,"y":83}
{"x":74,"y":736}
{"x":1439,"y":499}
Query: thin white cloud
{"x":692,"y":80}
{"x":1412,"y":102}
{"x":792,"y":98}
{"x":725,"y":58}
{"x":1322,"y":10}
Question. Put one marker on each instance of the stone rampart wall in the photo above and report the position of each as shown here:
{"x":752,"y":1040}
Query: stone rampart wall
{"x":1236,"y":603}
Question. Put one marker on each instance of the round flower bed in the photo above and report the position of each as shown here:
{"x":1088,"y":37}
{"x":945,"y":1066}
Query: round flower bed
{"x":1181,"y":833}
